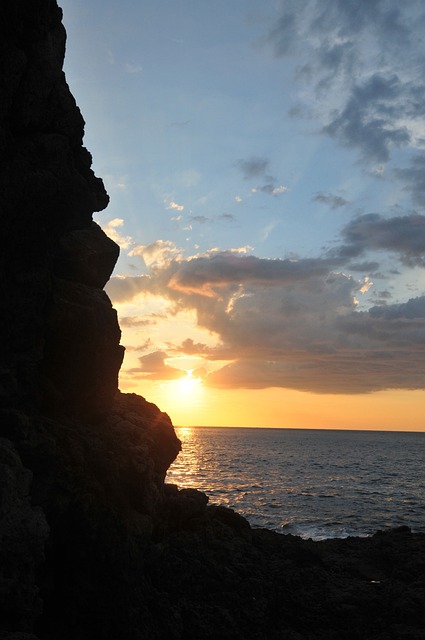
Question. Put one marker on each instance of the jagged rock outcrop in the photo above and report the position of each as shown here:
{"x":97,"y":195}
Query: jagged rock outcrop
{"x":54,"y":259}
{"x":93,"y":544}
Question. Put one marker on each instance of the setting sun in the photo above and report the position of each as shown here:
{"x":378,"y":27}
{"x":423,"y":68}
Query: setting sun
{"x":188,"y":384}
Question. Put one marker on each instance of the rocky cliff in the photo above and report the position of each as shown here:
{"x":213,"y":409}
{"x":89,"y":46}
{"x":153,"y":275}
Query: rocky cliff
{"x":93,"y":544}
{"x":71,"y":444}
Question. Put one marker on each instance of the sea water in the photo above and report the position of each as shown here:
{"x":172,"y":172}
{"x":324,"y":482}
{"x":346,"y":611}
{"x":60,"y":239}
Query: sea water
{"x":312,"y":483}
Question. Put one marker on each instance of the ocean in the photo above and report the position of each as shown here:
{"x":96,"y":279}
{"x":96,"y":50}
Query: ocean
{"x":312,"y":483}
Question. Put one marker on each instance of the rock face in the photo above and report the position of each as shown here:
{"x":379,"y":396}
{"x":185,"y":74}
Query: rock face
{"x":93,"y":544}
{"x":69,"y":442}
{"x":54,"y":259}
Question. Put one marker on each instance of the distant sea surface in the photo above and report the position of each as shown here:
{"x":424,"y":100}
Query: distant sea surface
{"x":313,"y":483}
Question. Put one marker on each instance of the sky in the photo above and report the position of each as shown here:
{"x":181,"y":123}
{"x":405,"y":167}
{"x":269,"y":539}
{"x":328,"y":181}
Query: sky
{"x":265,"y":163}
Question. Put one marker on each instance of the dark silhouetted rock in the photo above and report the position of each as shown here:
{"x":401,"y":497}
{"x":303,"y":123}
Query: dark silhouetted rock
{"x":86,"y":256}
{"x":48,"y":196}
{"x":82,"y":355}
{"x":23,"y":536}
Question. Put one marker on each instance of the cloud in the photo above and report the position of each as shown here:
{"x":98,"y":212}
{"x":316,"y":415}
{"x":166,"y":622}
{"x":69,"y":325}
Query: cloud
{"x":333,"y":201}
{"x":368,"y":120}
{"x":359,"y":70}
{"x":140,"y":347}
{"x":404,"y":235}
{"x":111,"y":230}
{"x":125,"y":288}
{"x":272,"y":189}
{"x":133,"y":67}
{"x":207,"y":275}
{"x":413,"y":179}
{"x":364,"y":267}
{"x":199,"y":219}
{"x":189,"y":347}
{"x":153,"y":367}
{"x":349,"y":352}
{"x":255,"y":168}
{"x":140,"y":321}
{"x":175,"y":206}
{"x":156,"y":253}
{"x":293,"y":323}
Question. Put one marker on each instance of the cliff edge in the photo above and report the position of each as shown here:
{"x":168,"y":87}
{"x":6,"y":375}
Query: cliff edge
{"x":94,"y":545}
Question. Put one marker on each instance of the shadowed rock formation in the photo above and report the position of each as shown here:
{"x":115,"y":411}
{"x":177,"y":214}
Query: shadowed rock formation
{"x":54,"y":259}
{"x":93,"y":544}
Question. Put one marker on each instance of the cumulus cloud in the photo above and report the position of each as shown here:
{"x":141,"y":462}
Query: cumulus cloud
{"x":153,"y":367}
{"x":208,"y":275}
{"x":293,"y":323}
{"x":111,"y":229}
{"x":189,"y":347}
{"x":125,"y":288}
{"x":350,"y":352}
{"x":159,"y":252}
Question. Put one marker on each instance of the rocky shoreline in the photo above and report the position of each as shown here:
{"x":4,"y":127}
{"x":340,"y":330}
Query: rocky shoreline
{"x":94,"y":545}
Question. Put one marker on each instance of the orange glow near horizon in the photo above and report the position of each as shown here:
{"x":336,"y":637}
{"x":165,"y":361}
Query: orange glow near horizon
{"x":190,"y":402}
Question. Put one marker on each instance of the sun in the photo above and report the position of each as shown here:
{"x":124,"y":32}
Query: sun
{"x":184,"y":397}
{"x":188,"y":384}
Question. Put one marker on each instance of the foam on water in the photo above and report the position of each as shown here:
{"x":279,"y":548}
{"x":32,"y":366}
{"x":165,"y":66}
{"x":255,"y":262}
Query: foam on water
{"x":313,"y":483}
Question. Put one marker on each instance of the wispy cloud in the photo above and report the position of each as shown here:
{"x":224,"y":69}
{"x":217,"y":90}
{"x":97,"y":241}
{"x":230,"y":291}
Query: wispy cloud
{"x":140,"y":321}
{"x":360,"y":69}
{"x":133,"y":67}
{"x":333,"y":201}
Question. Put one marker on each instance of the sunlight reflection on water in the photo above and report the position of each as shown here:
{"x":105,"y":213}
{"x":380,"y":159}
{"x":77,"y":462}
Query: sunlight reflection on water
{"x":313,"y":483}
